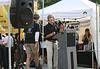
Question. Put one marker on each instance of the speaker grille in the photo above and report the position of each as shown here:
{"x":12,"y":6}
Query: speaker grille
{"x":21,"y":13}
{"x":26,"y":16}
{"x":70,"y":39}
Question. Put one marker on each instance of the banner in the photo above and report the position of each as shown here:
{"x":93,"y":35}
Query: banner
{"x":35,"y":7}
{"x":4,"y":21}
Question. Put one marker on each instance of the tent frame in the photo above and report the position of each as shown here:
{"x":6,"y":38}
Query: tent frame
{"x":9,"y":42}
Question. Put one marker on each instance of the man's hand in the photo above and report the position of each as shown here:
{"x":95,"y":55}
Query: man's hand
{"x":53,"y":33}
{"x":35,"y":46}
{"x":5,"y":44}
{"x":50,"y":35}
{"x":61,"y":28}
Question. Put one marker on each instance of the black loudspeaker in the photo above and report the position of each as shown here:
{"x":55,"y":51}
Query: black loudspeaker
{"x":21,"y":13}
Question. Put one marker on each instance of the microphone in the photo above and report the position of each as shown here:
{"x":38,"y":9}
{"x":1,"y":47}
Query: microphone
{"x":53,"y":22}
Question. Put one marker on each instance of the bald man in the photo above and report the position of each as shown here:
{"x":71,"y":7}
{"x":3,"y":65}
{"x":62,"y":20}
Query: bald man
{"x":52,"y":45}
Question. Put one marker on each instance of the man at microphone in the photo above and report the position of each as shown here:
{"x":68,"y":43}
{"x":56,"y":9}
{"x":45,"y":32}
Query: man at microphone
{"x":52,"y":45}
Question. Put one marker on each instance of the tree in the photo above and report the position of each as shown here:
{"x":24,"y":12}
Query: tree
{"x":96,"y":1}
{"x":46,"y":3}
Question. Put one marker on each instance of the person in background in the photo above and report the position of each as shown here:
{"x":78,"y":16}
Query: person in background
{"x":16,"y":46}
{"x":1,"y":52}
{"x":6,"y":56}
{"x":31,"y":38}
{"x":86,"y":38}
{"x":3,"y":36}
{"x":12,"y":50}
{"x":43,"y":46}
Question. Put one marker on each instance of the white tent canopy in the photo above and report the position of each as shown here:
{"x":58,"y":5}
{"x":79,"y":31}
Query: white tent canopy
{"x":4,"y":2}
{"x":67,"y":9}
{"x":75,"y":9}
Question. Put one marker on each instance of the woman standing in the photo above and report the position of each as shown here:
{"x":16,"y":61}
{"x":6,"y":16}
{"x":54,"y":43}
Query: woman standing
{"x":86,"y":38}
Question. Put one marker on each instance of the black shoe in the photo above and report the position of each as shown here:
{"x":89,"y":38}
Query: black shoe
{"x":37,"y":67}
{"x":40,"y":67}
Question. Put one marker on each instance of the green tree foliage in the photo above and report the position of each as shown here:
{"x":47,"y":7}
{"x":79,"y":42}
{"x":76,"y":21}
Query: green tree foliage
{"x":96,"y":1}
{"x":46,"y":3}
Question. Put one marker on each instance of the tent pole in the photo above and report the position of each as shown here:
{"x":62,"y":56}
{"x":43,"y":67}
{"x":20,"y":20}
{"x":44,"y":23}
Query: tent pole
{"x":43,"y":29}
{"x":9,"y":40}
{"x":97,"y":34}
{"x":92,"y":43}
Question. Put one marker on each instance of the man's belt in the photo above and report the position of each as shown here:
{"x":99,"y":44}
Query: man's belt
{"x":52,"y":41}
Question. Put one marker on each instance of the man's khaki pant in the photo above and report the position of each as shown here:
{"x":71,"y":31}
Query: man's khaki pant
{"x":52,"y":54}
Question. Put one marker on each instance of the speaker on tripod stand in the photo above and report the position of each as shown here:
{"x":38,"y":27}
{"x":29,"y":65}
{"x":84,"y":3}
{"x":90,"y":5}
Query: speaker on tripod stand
{"x":21,"y":15}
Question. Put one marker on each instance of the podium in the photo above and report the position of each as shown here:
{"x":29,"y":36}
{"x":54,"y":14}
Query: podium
{"x":67,"y":58}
